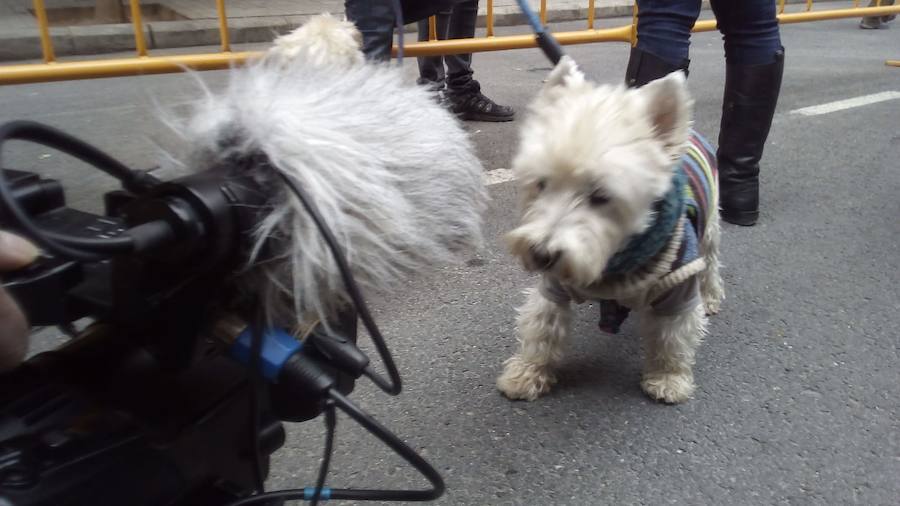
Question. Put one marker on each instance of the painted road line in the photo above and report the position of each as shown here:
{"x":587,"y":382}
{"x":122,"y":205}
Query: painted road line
{"x":849,"y":103}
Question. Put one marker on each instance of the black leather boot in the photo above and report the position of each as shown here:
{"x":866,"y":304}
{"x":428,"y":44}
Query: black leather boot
{"x":644,"y":67}
{"x":751,"y":93}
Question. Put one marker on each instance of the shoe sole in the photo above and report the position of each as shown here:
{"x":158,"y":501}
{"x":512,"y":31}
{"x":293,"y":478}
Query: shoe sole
{"x":745,"y":219}
{"x":485,"y":117}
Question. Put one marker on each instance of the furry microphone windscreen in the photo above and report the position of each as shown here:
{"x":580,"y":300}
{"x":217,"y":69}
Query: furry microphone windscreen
{"x":393,"y":174}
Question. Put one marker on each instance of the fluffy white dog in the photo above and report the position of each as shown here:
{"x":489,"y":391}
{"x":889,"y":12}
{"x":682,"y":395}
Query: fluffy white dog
{"x":620,"y":204}
{"x":393,"y":174}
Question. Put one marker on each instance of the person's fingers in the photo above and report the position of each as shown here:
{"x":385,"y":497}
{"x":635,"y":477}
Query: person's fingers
{"x":13,"y":332}
{"x":15,"y":252}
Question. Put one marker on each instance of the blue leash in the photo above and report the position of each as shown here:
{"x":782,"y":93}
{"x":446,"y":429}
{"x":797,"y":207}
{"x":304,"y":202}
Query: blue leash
{"x":545,"y":40}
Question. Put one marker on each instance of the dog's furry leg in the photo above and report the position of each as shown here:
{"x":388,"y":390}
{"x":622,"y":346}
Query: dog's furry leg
{"x":712,"y":289}
{"x":542,"y":327}
{"x":670,"y":343}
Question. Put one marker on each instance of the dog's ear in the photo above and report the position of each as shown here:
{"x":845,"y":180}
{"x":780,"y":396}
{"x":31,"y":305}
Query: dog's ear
{"x":669,"y":107}
{"x":565,"y":73}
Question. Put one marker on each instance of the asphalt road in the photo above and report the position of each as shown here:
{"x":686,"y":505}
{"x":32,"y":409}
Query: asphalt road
{"x":797,"y":384}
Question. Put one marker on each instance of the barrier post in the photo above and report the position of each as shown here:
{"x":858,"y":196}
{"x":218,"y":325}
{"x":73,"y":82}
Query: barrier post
{"x":490,"y":18}
{"x":139,"y":42}
{"x":40,"y":12}
{"x":224,"y":38}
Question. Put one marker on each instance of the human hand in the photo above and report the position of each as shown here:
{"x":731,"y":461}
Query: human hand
{"x":15,"y":253}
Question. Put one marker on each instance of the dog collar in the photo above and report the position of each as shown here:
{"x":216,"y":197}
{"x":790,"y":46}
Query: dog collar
{"x":641,"y":248}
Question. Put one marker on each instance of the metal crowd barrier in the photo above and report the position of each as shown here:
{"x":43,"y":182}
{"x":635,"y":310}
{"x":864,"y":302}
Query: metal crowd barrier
{"x":143,"y":63}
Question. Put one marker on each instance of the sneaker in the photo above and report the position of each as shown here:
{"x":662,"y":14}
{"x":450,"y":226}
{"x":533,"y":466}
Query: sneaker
{"x":477,"y":107}
{"x":871,"y":24}
{"x":437,"y":91}
{"x":888,"y":18}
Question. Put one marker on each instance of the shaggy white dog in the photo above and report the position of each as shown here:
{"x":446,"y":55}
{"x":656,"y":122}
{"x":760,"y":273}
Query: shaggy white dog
{"x":393,"y":174}
{"x":599,"y":172}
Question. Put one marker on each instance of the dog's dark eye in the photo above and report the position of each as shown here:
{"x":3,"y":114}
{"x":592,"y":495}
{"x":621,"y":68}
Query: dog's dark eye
{"x":598,"y":198}
{"x":541,"y":184}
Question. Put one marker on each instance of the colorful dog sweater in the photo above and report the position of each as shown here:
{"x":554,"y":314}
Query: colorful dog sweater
{"x":665,"y":279}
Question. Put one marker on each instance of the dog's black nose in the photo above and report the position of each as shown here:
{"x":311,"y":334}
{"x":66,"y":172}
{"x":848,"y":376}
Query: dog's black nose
{"x":544,"y":259}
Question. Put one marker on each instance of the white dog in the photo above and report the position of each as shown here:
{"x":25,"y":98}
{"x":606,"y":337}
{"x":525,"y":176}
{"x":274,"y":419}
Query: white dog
{"x":393,"y":174}
{"x":619,"y":196}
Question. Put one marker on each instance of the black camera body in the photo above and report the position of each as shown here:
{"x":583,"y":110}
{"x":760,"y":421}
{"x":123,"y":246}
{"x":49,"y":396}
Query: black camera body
{"x":99,"y":422}
{"x":144,"y":407}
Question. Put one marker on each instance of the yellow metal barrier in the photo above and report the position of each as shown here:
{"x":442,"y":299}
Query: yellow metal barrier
{"x":490,"y":18}
{"x":223,"y":26}
{"x":40,"y":12}
{"x":139,"y":42}
{"x":51,"y":70}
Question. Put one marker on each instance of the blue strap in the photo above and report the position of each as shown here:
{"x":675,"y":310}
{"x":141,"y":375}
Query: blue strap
{"x":309,"y":492}
{"x":277,"y":347}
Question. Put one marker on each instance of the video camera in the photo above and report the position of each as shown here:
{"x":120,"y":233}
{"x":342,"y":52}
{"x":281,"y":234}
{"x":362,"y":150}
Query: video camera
{"x":174,"y":392}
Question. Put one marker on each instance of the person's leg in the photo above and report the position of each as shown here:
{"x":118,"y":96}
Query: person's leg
{"x":889,"y":17}
{"x":375,"y":20}
{"x":431,"y":68}
{"x":459,"y":66}
{"x":754,"y":66}
{"x":876,"y":22}
{"x":663,"y":39}
{"x":463,"y":91}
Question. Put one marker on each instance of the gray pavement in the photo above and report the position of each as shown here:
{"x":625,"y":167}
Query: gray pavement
{"x":797,"y":384}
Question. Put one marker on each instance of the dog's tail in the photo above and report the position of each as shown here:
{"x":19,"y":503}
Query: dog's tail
{"x":323,"y":40}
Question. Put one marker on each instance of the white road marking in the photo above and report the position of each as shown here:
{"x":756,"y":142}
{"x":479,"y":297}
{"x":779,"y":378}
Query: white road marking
{"x":497,"y":176}
{"x":849,"y":103}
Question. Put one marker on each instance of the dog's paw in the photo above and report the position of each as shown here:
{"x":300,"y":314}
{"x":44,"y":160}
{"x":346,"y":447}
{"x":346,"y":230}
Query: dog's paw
{"x":671,"y":388}
{"x":712,"y":305}
{"x":713,"y":294}
{"x":524,"y":380}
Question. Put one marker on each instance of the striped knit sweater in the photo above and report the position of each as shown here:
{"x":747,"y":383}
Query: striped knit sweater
{"x":678,"y":260}
{"x":700,"y":190}
{"x":702,"y":187}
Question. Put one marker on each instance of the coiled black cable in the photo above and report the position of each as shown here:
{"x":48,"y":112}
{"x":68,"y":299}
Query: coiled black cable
{"x":394,"y":385}
{"x":72,"y":247}
{"x":391,"y":440}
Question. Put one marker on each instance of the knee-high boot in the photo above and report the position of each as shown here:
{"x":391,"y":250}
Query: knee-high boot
{"x":644,"y":67}
{"x":751,"y":93}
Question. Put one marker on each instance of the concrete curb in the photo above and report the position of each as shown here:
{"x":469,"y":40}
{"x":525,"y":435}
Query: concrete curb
{"x":24,"y":44}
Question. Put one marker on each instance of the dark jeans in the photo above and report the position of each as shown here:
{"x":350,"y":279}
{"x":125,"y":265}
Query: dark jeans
{"x":375,"y":20}
{"x":456,"y":23}
{"x":749,"y":29}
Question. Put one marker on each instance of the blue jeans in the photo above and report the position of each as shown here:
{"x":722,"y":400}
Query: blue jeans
{"x":749,"y":29}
